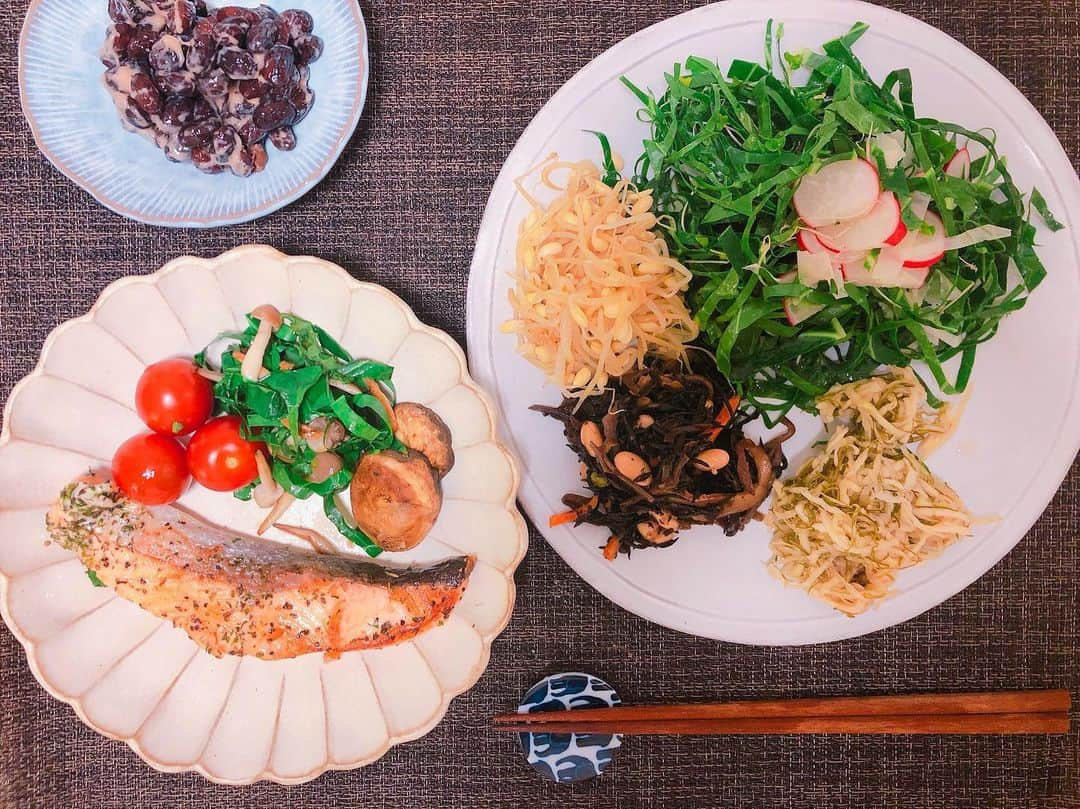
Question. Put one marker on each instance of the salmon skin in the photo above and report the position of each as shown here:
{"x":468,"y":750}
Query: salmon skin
{"x":242,"y":595}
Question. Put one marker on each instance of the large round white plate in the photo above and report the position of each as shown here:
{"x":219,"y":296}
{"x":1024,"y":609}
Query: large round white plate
{"x":1021,"y":430}
{"x":75,"y":124}
{"x":134,"y":677}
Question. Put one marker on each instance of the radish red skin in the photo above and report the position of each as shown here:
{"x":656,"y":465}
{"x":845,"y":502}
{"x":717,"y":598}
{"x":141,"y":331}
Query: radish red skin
{"x":921,"y":265}
{"x":920,"y":250}
{"x":898,"y":234}
{"x":807,"y":243}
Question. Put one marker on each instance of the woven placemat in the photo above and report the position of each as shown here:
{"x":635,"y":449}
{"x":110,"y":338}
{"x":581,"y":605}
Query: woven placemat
{"x":454,"y":84}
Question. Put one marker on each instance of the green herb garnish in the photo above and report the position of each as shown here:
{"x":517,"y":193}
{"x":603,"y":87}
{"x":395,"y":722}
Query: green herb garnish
{"x":725,"y":154}
{"x":94,"y":580}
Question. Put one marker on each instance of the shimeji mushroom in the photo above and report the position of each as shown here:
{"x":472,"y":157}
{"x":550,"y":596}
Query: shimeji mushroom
{"x":376,"y":390}
{"x":325,"y":465}
{"x":269,"y":319}
{"x":345,"y":387}
{"x":323,"y":434}
{"x":266,"y":493}
{"x":281,"y":505}
{"x":318,"y":542}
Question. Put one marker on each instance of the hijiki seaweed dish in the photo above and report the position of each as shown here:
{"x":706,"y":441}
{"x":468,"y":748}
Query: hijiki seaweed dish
{"x":665,"y":452}
{"x":779,"y":245}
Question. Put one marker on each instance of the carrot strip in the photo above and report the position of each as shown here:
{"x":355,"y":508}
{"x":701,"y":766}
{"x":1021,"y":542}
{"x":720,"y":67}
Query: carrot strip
{"x":562,"y":518}
{"x":574,"y":513}
{"x":611,"y":549}
{"x":724,"y":416}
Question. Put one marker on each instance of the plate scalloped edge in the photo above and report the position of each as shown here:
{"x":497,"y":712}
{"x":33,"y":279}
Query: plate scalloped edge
{"x":509,"y":504}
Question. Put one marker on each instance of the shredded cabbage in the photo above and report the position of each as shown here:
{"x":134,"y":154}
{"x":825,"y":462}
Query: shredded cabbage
{"x":983,"y":233}
{"x":866,"y":506}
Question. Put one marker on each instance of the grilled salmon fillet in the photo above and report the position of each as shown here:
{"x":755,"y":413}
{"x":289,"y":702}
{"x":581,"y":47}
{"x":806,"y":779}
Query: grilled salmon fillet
{"x":242,"y":595}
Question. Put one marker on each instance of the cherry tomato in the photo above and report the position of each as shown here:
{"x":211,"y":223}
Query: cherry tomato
{"x":220,"y":457}
{"x":151,"y":469}
{"x":172,"y":398}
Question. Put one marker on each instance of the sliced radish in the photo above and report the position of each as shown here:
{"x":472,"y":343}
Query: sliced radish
{"x":811,"y":243}
{"x":830,"y":243}
{"x":890,"y":267}
{"x":797,"y":311}
{"x":813,"y":268}
{"x":887,"y":271}
{"x":983,"y":233}
{"x":897,"y":235}
{"x":959,"y":165}
{"x":920,"y":249}
{"x":857,"y":274}
{"x":837,"y":192}
{"x":842,"y":260}
{"x":915,"y":279}
{"x":808,"y":241}
{"x":920,"y":204}
{"x":868,"y":232}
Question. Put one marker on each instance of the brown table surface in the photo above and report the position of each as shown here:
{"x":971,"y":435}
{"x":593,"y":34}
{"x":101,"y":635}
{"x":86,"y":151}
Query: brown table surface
{"x":454,"y":84}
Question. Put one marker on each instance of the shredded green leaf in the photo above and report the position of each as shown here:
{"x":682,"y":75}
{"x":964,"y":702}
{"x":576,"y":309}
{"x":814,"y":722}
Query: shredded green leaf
{"x":304,"y":361}
{"x":94,"y":580}
{"x":350,"y":532}
{"x":611,"y":174}
{"x":1038,"y":202}
{"x":723,"y":159}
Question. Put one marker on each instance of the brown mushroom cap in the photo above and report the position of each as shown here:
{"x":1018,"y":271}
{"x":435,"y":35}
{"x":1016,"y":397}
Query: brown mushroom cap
{"x":267,"y":313}
{"x":421,"y":429}
{"x":395,"y":498}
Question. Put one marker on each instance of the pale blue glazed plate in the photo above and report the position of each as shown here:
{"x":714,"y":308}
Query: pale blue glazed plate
{"x":76,"y":126}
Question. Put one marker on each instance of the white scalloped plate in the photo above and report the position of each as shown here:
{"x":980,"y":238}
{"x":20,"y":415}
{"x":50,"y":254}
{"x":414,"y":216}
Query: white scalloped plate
{"x":716,"y":587}
{"x":132,"y":676}
{"x":75,"y":124}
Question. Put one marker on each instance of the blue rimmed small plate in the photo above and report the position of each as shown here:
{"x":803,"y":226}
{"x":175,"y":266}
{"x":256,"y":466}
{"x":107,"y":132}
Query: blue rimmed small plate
{"x":76,"y":126}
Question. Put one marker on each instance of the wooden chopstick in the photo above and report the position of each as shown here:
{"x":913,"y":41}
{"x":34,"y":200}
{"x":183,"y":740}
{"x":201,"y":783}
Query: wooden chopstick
{"x":893,"y":705}
{"x":989,"y":712}
{"x":1001,"y":723}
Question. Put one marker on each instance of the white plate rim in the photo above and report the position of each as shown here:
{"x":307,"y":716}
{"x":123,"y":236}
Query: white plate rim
{"x":290,"y":196}
{"x":466,"y":379}
{"x":481,"y":329}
